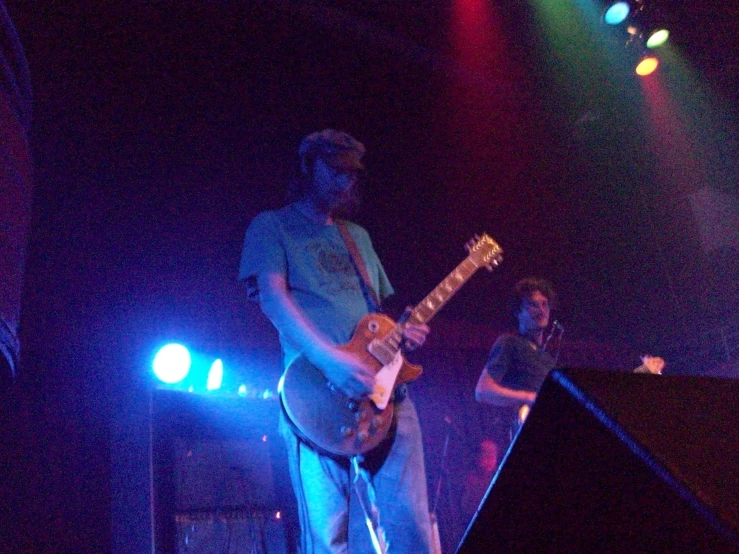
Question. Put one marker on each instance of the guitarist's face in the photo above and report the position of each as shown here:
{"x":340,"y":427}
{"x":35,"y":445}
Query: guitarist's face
{"x":533,"y":317}
{"x":332,"y":187}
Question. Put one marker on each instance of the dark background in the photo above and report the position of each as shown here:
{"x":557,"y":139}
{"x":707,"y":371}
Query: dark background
{"x":162,"y":128}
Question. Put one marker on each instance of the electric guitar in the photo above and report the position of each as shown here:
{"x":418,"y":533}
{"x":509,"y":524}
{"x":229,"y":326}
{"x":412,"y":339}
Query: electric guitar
{"x":649,"y":364}
{"x":330,"y":420}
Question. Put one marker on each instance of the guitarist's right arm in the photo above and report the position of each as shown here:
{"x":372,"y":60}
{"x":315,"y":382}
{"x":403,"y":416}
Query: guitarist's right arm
{"x":489,"y":391}
{"x":342,"y":368}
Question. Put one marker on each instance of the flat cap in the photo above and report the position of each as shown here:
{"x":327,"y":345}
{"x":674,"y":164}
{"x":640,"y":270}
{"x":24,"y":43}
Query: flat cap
{"x":336,"y":148}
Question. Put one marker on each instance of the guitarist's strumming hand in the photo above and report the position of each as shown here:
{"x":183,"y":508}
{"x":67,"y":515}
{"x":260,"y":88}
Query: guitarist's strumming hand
{"x":341,"y":368}
{"x":346,"y":371}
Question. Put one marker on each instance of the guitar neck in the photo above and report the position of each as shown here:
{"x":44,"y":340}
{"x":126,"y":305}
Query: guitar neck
{"x":437,"y":298}
{"x":484,"y":252}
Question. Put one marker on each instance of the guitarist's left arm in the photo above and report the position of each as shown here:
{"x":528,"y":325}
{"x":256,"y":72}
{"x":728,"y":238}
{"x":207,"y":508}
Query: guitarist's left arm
{"x":414,"y":334}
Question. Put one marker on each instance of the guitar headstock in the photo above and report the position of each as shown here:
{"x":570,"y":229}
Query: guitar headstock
{"x":484,"y":251}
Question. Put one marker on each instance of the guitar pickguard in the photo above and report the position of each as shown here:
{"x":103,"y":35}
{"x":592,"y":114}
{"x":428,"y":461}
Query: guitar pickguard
{"x":385,"y":381}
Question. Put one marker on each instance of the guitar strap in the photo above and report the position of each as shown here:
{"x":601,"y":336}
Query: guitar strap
{"x":369,"y":291}
{"x":362,"y":481}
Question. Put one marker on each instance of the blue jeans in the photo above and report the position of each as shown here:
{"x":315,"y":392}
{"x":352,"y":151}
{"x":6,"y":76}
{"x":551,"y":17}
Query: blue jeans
{"x":331,"y":518}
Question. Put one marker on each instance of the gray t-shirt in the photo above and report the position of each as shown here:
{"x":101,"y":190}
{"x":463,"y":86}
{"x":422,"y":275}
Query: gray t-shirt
{"x":318,"y":268}
{"x":517,"y":363}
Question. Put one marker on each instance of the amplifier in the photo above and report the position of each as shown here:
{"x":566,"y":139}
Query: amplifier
{"x":230,"y":532}
{"x":223,"y":474}
{"x":220,"y":476}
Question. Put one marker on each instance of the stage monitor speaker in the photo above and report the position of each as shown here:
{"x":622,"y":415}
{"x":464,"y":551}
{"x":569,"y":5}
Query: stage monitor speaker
{"x":618,"y":462}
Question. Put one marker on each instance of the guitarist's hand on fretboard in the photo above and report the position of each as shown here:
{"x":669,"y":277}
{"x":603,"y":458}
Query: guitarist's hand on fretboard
{"x":414,"y":335}
{"x":650,"y":364}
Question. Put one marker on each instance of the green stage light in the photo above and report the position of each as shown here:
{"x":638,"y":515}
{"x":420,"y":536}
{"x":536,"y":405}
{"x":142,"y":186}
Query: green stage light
{"x":657,"y":38}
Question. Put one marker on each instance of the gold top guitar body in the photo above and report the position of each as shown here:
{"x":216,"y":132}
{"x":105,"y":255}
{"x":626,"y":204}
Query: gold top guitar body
{"x":324,"y":416}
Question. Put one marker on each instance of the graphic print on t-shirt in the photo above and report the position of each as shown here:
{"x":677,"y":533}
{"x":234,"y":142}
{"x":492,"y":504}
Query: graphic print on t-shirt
{"x":337,"y":272}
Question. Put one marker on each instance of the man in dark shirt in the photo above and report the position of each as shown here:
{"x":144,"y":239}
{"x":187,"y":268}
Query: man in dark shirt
{"x":518,"y":362}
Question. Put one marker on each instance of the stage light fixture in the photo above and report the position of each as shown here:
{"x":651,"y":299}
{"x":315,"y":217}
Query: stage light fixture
{"x":657,"y":37}
{"x":215,"y":376}
{"x":647,"y":66}
{"x":617,"y":13}
{"x":172,"y":363}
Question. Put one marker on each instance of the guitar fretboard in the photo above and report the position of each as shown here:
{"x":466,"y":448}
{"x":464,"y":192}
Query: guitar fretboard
{"x":482,"y":254}
{"x":438,"y":297}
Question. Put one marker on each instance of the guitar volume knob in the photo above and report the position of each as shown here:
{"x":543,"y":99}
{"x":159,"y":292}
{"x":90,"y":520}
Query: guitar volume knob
{"x":347,"y":432}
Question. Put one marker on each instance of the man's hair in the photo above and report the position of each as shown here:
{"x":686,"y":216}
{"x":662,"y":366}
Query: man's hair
{"x":338,"y":150}
{"x":302,"y":184}
{"x":527,"y":287}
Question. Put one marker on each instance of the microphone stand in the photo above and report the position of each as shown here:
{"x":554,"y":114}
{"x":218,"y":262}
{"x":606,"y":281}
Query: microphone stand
{"x":556,"y":326}
{"x":436,"y":540}
{"x":559,"y":344}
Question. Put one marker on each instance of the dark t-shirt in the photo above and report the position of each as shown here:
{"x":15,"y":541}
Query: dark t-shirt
{"x":517,"y":363}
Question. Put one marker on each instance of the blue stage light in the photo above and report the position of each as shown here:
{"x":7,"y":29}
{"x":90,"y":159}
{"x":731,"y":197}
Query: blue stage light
{"x":215,"y":376}
{"x":172,"y":363}
{"x":617,"y":13}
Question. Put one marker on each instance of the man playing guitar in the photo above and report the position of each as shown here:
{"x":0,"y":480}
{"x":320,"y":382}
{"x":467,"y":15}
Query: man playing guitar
{"x":297,"y":263}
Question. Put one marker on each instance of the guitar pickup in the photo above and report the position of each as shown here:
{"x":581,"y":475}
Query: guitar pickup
{"x":382,"y":352}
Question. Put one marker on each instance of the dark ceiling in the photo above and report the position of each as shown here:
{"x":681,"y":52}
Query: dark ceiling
{"x":162,"y":128}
